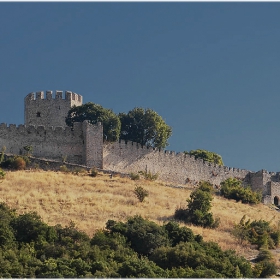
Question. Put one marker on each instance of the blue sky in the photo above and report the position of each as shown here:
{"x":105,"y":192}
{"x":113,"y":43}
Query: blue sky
{"x":211,"y":70}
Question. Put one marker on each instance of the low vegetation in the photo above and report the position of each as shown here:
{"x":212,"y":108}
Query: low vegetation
{"x":233,"y":189}
{"x":257,"y":232}
{"x":30,"y":248}
{"x":2,"y":174}
{"x":148,"y":175}
{"x":105,"y":221}
{"x":15,"y":162}
{"x":206,"y":156}
{"x":198,"y":209}
{"x":141,"y":193}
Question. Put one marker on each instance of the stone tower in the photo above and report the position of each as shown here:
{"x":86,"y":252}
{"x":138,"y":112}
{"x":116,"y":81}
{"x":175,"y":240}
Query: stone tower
{"x":49,"y":111}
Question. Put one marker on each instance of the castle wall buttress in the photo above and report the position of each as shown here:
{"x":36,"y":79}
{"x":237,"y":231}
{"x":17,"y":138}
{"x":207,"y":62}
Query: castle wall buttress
{"x":93,"y":144}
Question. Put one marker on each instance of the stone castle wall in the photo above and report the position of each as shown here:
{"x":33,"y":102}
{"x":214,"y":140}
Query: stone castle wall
{"x":274,"y":191}
{"x":45,"y":130}
{"x":48,"y":110}
{"x":54,"y":143}
{"x":178,"y":168}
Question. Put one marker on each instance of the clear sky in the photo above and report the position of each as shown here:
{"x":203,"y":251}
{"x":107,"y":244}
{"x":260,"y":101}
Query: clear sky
{"x":211,"y":70}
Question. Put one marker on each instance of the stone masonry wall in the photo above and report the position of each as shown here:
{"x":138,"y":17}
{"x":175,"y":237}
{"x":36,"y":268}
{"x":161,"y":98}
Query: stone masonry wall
{"x":53,"y":143}
{"x":171,"y":167}
{"x":274,"y":191}
{"x":48,"y":111}
{"x":93,"y":140}
{"x":45,"y":130}
{"x":260,"y":181}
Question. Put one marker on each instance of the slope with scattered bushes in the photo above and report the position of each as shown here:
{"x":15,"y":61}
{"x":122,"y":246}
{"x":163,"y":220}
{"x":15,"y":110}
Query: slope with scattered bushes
{"x":90,"y":202}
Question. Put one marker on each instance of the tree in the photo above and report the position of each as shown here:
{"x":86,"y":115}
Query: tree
{"x":145,"y":127}
{"x":199,"y":205}
{"x":206,"y":156}
{"x":144,"y":235}
{"x":95,"y":113}
{"x":232,"y":188}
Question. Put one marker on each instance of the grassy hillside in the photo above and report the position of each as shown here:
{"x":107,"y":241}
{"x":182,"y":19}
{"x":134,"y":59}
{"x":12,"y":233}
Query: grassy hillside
{"x":90,"y":201}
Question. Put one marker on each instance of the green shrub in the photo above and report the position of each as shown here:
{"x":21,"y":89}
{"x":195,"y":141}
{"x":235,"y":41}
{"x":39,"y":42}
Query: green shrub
{"x":93,"y":172}
{"x":199,"y":205}
{"x":79,"y":170}
{"x":36,"y":166}
{"x":63,"y":168}
{"x":7,"y":163}
{"x":148,"y":175}
{"x":2,"y":154}
{"x":264,"y":254}
{"x":141,"y":193}
{"x":177,"y":234}
{"x":259,"y":233}
{"x":28,"y":149}
{"x":134,"y":176}
{"x":2,"y":174}
{"x":265,"y":269}
{"x":19,"y":163}
{"x":16,"y":162}
{"x":142,"y":235}
{"x":233,"y":189}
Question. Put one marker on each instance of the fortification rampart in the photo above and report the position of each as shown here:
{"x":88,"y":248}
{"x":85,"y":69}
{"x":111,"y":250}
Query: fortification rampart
{"x":55,"y":142}
{"x":170,"y":166}
{"x":48,"y":110}
{"x":45,"y":130}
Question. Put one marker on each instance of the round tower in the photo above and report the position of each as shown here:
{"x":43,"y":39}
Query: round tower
{"x":48,"y":110}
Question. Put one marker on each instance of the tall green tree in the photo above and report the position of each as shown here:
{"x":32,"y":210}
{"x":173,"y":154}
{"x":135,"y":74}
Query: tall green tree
{"x":199,"y":206}
{"x":146,"y":127}
{"x":95,"y":113}
{"x":206,"y":155}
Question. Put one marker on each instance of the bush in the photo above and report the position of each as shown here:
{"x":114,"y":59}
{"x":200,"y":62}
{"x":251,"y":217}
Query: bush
{"x":148,"y":175}
{"x":265,"y":269}
{"x":19,"y":163}
{"x":258,"y":232}
{"x":233,"y":189}
{"x":63,"y":168}
{"x":79,"y":170}
{"x":178,"y":234}
{"x":141,"y":193}
{"x":142,"y":235}
{"x":2,"y":174}
{"x":93,"y":172}
{"x":2,"y":154}
{"x":264,"y":254}
{"x":28,"y":149}
{"x":134,"y":176}
{"x":199,"y":205}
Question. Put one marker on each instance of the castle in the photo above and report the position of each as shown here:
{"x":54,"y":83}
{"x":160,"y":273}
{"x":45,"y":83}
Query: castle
{"x":45,"y":130}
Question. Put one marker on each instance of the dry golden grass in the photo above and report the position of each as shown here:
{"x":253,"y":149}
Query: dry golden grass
{"x":90,"y":201}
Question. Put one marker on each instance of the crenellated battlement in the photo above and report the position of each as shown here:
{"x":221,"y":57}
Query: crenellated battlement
{"x":48,"y":95}
{"x":126,"y":156}
{"x":55,"y":142}
{"x":45,"y":130}
{"x":48,"y":108}
{"x":13,"y":131}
